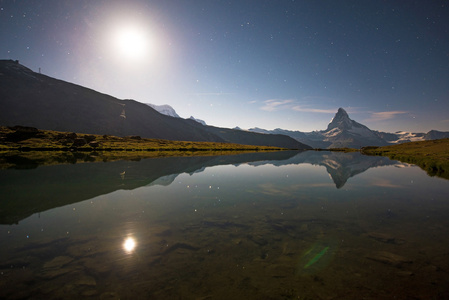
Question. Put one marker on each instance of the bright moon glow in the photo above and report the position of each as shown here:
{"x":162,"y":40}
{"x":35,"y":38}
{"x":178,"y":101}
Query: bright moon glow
{"x":131,"y":43}
{"x":129,"y":245}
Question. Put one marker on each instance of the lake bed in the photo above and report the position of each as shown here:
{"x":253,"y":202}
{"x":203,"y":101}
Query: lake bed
{"x":284,"y":225}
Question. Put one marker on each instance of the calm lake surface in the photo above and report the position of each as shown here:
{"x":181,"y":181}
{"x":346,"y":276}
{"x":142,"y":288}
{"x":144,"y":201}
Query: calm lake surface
{"x":284,"y":225}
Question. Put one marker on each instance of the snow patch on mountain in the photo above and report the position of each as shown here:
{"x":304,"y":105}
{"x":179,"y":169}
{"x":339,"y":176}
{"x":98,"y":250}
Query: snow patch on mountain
{"x":164,"y":109}
{"x":170,"y":111}
{"x":198,"y":120}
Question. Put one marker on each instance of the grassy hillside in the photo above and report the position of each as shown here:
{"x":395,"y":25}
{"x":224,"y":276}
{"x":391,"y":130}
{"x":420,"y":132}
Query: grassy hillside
{"x":432,"y":156}
{"x":30,"y":147}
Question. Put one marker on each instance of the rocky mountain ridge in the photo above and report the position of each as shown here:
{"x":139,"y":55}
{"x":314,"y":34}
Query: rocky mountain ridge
{"x":344,"y":132}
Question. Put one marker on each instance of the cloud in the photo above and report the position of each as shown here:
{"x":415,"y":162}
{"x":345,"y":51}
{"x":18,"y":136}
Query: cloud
{"x":384,"y":183}
{"x":276,"y":104}
{"x":385,"y":115}
{"x":211,"y":94}
{"x":289,"y":104}
{"x":314,"y":110}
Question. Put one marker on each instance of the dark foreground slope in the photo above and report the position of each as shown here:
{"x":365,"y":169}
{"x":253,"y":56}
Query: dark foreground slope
{"x":32,"y":99}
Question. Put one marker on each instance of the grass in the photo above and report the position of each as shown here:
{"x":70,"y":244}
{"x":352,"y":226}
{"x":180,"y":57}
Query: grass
{"x":432,"y":156}
{"x":32,"y":146}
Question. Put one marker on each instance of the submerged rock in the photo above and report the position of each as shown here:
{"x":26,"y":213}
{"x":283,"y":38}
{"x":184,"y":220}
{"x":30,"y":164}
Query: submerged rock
{"x":389,"y":258}
{"x":57,"y":267}
{"x":85,"y":280}
{"x":58,"y":262}
{"x":385,"y":238}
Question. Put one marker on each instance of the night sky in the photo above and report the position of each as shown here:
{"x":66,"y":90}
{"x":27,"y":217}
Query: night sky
{"x":269,"y":64}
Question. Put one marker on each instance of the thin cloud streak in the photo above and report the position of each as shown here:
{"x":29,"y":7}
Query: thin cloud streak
{"x":385,"y":115}
{"x":290,"y":104}
{"x":276,"y":104}
{"x":211,"y":94}
{"x":314,"y":110}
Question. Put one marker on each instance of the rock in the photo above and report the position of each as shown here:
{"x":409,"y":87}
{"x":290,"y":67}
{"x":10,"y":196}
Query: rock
{"x":389,"y":258}
{"x":385,"y":238}
{"x":15,"y":263}
{"x":89,"y":138}
{"x":21,"y":133}
{"x":86,"y":280}
{"x":280,"y":271}
{"x":89,"y":293}
{"x":180,"y":246}
{"x":94,"y":144}
{"x":58,"y":262}
{"x":258,"y":239}
{"x":109,"y":295}
{"x":282,"y":226}
{"x":53,"y":273}
{"x":405,"y":273}
{"x":56,"y":267}
{"x":71,"y":136}
{"x":24,"y":129}
{"x":94,"y":266}
{"x":79,"y":142}
{"x":134,"y":137}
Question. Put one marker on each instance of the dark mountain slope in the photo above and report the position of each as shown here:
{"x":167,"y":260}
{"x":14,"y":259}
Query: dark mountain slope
{"x":258,"y":139}
{"x":32,"y":99}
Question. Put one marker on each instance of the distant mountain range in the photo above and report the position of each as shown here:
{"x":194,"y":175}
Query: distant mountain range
{"x":167,"y":110}
{"x":344,"y":132}
{"x":164,"y":109}
{"x":341,"y":132}
{"x":32,"y":99}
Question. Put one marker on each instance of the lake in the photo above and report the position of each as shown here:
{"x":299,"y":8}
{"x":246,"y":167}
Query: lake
{"x":282,"y":225}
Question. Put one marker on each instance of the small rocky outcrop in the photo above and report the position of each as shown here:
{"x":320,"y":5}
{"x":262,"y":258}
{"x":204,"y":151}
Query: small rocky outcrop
{"x":94,"y":144}
{"x":89,"y":138}
{"x":21,"y":133}
{"x":134,"y":137}
{"x":79,"y":142}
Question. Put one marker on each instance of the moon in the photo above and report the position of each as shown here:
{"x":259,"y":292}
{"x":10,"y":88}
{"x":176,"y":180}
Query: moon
{"x":131,"y":43}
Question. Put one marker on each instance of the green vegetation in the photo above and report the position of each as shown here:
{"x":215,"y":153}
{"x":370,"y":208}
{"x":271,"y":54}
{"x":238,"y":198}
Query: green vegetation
{"x":431,"y":156}
{"x":30,"y":146}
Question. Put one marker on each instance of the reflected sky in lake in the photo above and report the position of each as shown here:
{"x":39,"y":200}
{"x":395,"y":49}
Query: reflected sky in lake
{"x":308,"y":225}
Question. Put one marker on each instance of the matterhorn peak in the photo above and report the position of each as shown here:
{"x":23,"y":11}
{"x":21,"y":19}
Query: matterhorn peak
{"x":341,"y":120}
{"x":342,"y":112}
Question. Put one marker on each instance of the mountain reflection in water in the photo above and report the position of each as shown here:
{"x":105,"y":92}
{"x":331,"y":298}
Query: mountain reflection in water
{"x":250,"y":226}
{"x":74,"y":183}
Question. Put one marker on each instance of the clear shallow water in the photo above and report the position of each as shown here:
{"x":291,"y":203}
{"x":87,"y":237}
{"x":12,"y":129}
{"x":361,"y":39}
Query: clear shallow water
{"x":310,"y":225}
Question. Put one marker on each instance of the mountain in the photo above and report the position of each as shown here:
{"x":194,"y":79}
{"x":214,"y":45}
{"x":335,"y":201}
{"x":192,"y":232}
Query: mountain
{"x":33,"y":99}
{"x":343,"y":132}
{"x":164,"y":109}
{"x":198,"y":120}
{"x":436,"y":135}
{"x":170,"y":111}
